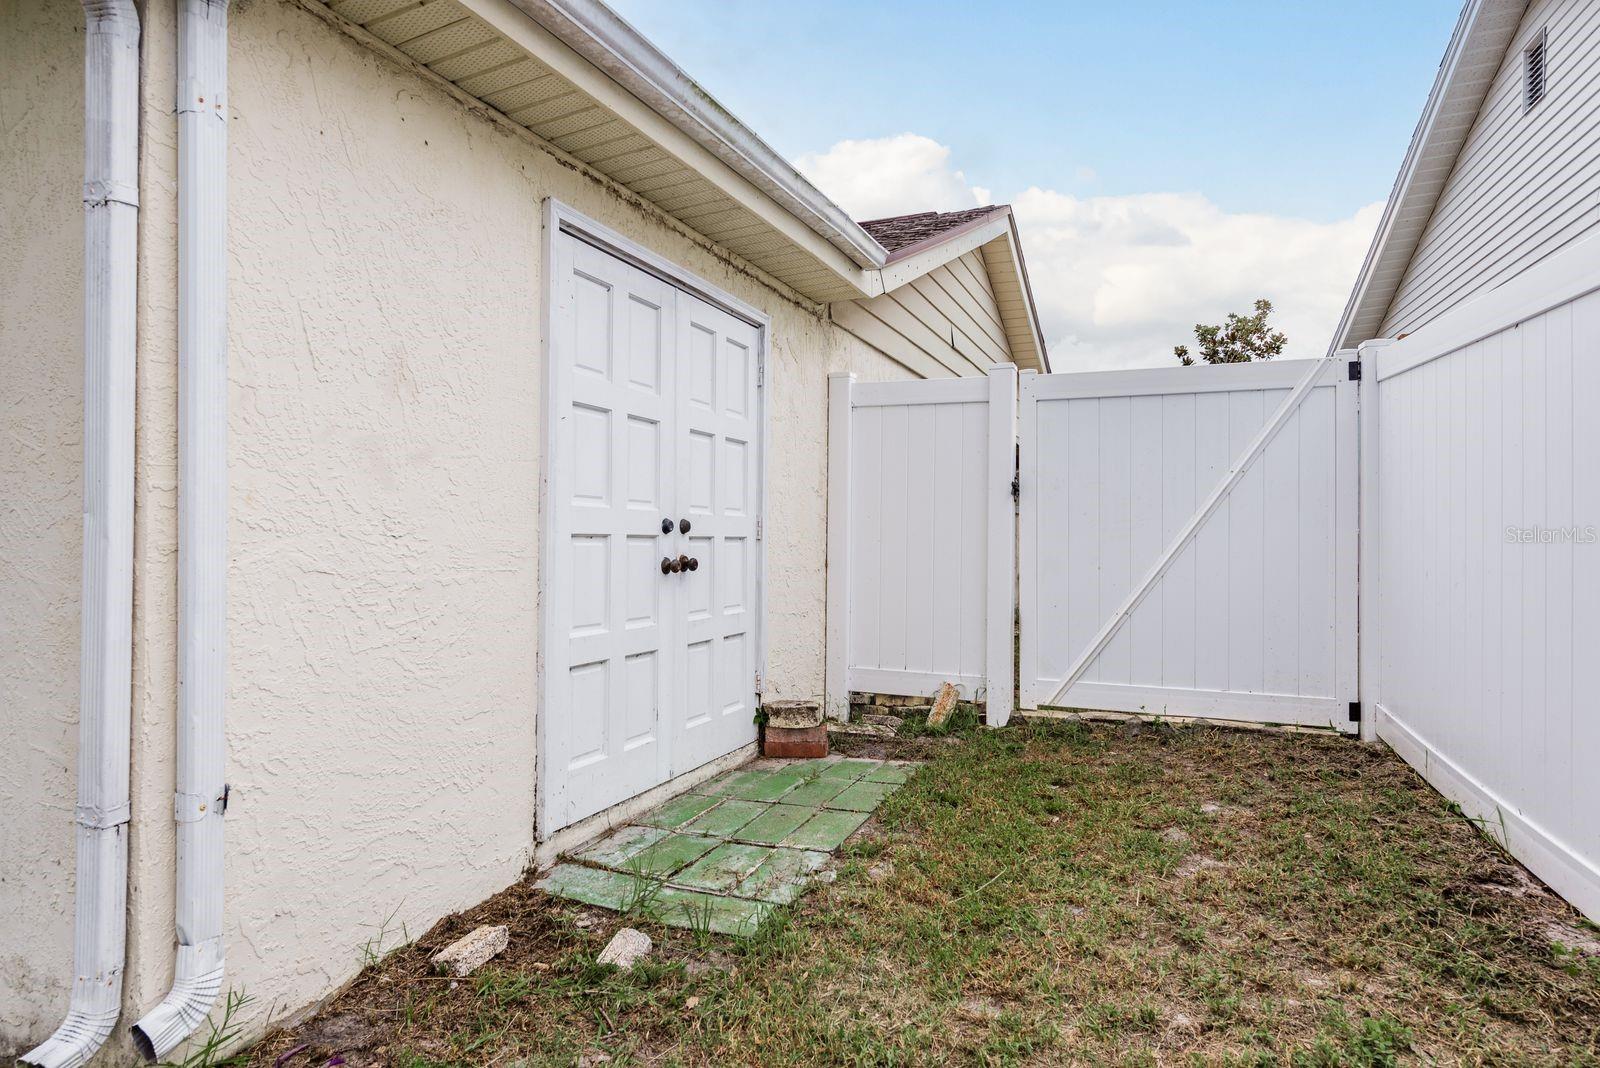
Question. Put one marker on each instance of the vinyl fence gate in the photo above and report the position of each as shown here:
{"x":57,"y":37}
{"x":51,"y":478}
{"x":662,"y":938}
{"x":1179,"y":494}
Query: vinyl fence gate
{"x":1189,"y":542}
{"x":1185,"y":540}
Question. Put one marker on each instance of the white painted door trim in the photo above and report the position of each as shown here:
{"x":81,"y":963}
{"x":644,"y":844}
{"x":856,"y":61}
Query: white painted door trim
{"x":559,"y":218}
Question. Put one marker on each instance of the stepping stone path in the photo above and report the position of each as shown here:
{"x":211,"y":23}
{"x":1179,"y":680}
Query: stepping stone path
{"x":724,"y":855}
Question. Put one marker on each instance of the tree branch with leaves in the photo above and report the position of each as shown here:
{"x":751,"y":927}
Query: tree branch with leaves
{"x":1242,"y":339}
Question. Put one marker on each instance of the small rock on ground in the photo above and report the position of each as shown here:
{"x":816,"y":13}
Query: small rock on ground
{"x":626,"y":946}
{"x":894,"y":723}
{"x":943,"y":706}
{"x":880,"y":871}
{"x":1176,"y":835}
{"x":866,"y":730}
{"x":469,"y":953}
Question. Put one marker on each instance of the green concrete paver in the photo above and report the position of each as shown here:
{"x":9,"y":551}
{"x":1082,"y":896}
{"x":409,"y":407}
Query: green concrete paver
{"x":738,"y":779}
{"x":735,"y":848}
{"x":615,"y":850}
{"x":816,"y":792}
{"x":678,"y":811}
{"x":782,"y":876}
{"x":725,"y":819}
{"x":673,"y":852}
{"x":696,"y":910}
{"x":775,"y":824}
{"x":724,"y":868}
{"x":813,"y":768}
{"x":849,"y":768}
{"x":891,"y":773}
{"x":767,"y":786}
{"x":862,"y":796}
{"x":592,"y":886}
{"x":826,"y":830}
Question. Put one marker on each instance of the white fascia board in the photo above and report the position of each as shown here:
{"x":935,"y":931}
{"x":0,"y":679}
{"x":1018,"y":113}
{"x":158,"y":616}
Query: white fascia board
{"x":1014,"y":246}
{"x":614,"y":63}
{"x":1002,"y":228}
{"x":903,"y":272}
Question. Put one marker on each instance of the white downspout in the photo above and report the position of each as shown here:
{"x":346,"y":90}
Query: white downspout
{"x":202,"y":523}
{"x":110,"y":269}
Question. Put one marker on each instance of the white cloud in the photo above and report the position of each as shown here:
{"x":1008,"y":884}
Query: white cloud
{"x":1120,"y":280}
{"x":891,"y":176}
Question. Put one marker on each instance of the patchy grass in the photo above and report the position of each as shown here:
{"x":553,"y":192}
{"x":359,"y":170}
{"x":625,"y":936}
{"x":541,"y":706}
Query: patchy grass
{"x":1052,"y":894}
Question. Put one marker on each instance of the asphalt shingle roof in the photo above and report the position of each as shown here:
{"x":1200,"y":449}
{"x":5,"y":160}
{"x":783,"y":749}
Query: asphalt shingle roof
{"x":903,"y":231}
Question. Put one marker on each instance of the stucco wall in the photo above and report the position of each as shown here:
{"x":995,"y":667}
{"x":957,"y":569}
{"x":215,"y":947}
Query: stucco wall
{"x":385,"y":457}
{"x":41,"y":503}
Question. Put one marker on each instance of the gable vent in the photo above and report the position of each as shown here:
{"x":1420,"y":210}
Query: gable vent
{"x":1534,"y":71}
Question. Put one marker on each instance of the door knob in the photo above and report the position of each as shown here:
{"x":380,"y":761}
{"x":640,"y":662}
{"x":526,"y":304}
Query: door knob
{"x":666,"y":526}
{"x":683,"y":526}
{"x":668,"y":565}
{"x":685,"y":564}
{"x":694,"y":564}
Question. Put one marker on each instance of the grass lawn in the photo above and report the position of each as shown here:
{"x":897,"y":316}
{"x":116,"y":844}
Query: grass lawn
{"x":1051,"y":894}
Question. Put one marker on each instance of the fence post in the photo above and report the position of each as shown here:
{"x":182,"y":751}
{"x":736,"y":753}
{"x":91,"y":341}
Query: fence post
{"x":1001,"y":584}
{"x":837,"y":683}
{"x":1027,"y":549}
{"x":1369,"y":651}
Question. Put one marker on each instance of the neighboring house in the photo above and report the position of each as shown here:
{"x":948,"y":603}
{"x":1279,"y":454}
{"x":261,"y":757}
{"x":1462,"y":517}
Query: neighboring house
{"x":515,"y":315}
{"x":1502,"y":172}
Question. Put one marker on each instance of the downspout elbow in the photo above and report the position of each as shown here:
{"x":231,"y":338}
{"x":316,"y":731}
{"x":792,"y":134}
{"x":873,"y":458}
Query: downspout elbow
{"x":80,"y":1035}
{"x":197,"y":980}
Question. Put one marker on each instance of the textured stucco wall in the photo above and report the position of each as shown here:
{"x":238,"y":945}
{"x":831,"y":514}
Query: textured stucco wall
{"x":385,"y":447}
{"x":41,"y":503}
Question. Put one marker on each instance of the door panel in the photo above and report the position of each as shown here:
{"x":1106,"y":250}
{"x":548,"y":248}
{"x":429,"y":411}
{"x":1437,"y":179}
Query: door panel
{"x":654,"y":404}
{"x":718,"y":429}
{"x":610,"y":667}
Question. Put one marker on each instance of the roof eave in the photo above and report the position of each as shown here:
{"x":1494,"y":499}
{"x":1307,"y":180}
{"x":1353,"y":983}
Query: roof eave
{"x":1027,"y":289}
{"x":1442,"y":98}
{"x":598,"y":34}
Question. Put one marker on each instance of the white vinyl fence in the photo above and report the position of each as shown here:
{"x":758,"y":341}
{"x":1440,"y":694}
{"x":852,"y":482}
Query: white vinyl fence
{"x":921,"y":541}
{"x":1189,"y":542}
{"x":1483,"y":481}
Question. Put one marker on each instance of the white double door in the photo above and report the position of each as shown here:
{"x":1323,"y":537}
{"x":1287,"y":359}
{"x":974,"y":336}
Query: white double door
{"x":652,"y":564}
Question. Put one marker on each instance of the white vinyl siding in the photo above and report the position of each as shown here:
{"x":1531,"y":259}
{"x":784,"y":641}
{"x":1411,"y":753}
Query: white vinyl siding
{"x":1527,"y":181}
{"x":944,"y":324}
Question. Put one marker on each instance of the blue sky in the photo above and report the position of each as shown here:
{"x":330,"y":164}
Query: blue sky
{"x":1190,"y":119}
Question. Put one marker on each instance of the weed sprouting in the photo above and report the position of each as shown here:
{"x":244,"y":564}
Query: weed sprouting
{"x":219,"y":1036}
{"x":374,"y":949}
